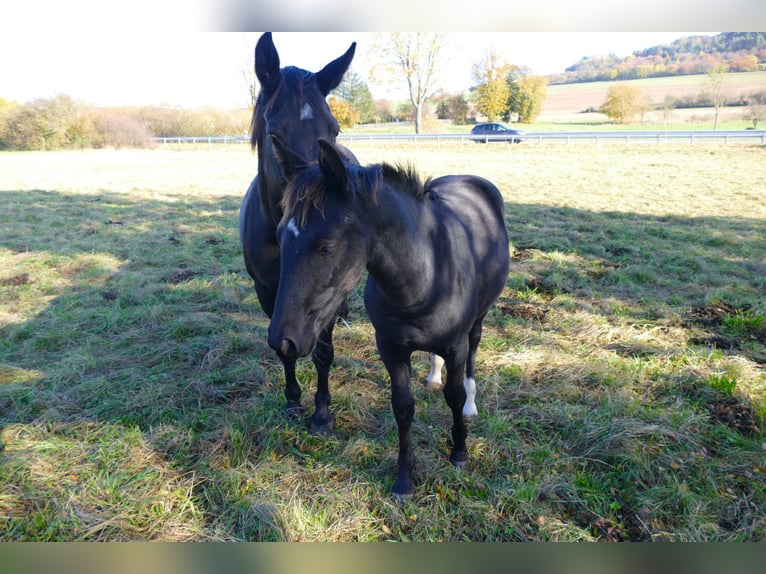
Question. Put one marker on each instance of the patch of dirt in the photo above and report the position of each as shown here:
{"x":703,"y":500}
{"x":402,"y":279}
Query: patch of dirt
{"x":542,"y":288}
{"x":16,"y":280}
{"x":712,"y":315}
{"x":180,"y":276}
{"x":522,"y":254}
{"x":522,"y":311}
{"x":732,"y":412}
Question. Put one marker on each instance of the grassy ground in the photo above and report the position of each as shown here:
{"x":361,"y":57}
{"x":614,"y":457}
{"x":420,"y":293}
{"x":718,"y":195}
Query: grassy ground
{"x":622,"y":390}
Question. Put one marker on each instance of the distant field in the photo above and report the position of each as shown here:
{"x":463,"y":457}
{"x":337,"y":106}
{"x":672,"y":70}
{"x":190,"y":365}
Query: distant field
{"x":567,"y":101}
{"x":622,"y":388}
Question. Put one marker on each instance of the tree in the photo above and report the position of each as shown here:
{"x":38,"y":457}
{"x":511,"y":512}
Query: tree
{"x":715,"y":81}
{"x":527,"y":93}
{"x":354,"y":90}
{"x":756,"y":111}
{"x":492,"y":90}
{"x":46,"y":124}
{"x":344,"y":111}
{"x":416,"y":57}
{"x":623,"y":102}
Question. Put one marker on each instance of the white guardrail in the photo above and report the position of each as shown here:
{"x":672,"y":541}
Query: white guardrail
{"x":757,"y":137}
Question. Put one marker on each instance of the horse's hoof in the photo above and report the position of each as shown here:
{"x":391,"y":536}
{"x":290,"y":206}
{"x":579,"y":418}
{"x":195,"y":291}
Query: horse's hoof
{"x":459,"y":459}
{"x":401,"y":498}
{"x":433,"y":386}
{"x":402,"y":491}
{"x":323,"y":429}
{"x":294,"y":410}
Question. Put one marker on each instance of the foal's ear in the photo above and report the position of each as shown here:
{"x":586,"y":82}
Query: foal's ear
{"x":291,"y":163}
{"x":267,"y":62}
{"x":333,"y":168}
{"x":330,"y":76}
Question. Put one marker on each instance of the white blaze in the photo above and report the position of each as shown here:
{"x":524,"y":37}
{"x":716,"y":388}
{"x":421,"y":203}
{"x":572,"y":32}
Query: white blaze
{"x":292,"y":227}
{"x":307,"y":113}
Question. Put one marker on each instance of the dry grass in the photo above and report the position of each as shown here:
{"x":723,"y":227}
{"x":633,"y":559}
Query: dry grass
{"x":622,"y":381}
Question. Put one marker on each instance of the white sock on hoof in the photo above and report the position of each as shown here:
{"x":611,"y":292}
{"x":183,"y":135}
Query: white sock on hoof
{"x":469,"y":409}
{"x":434,"y":380}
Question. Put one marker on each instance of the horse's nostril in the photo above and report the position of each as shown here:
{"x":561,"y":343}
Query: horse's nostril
{"x":287,"y":349}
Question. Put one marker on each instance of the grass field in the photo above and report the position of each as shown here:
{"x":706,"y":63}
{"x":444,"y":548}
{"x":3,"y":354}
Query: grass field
{"x":622,"y":389}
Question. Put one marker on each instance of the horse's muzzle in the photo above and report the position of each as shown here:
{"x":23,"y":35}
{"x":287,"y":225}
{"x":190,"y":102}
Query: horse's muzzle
{"x":285,"y":347}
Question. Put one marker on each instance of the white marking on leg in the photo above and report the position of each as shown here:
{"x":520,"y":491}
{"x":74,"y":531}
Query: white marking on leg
{"x":469,"y":409}
{"x":307,"y":112}
{"x":292,"y":227}
{"x":434,"y":380}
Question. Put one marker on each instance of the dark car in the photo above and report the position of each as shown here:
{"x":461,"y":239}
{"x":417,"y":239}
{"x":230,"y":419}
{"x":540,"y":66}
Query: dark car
{"x":497,"y":132}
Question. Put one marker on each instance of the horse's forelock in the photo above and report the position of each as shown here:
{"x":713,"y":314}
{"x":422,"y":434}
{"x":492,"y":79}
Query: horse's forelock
{"x":306,"y":190}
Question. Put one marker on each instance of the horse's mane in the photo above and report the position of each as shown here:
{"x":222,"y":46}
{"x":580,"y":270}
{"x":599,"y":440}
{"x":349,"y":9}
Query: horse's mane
{"x":307,"y":189}
{"x":294,"y":81}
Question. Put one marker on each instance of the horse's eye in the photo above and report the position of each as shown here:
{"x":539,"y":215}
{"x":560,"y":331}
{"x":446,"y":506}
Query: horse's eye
{"x":326,"y":249}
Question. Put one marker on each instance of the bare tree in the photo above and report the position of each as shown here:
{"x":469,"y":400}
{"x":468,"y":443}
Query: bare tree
{"x":416,"y":57}
{"x":716,"y":79}
{"x":248,"y":69}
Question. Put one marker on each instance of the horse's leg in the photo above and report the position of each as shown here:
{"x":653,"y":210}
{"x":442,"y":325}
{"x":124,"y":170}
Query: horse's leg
{"x":434,"y":380}
{"x":403,"y":405}
{"x":322,"y":420}
{"x":267,"y":294}
{"x":474,"y":337}
{"x":292,"y":390}
{"x":454,"y":393}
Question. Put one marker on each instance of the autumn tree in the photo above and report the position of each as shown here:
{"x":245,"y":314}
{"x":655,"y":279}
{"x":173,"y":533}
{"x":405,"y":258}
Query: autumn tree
{"x":526,"y":93}
{"x":346,"y":114}
{"x":623,"y":103}
{"x":354,"y":90}
{"x":413,"y":56}
{"x":492,"y":90}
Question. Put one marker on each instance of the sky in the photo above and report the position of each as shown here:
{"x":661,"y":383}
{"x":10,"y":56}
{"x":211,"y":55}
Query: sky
{"x":195,"y":69}
{"x":192,"y":53}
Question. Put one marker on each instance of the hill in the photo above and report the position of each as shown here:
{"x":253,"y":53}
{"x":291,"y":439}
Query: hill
{"x":738,"y":51}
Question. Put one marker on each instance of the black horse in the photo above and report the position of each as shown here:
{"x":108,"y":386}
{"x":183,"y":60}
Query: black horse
{"x":437,"y":257}
{"x":292,"y":106}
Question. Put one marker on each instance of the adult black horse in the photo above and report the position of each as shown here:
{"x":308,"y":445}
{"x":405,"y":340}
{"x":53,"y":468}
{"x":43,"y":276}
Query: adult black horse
{"x":437,"y":257}
{"x":291,"y":105}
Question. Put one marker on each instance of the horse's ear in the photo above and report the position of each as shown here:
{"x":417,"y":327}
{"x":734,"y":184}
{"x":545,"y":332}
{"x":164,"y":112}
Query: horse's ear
{"x":291,"y":163}
{"x":333,"y":168}
{"x":267,"y":62}
{"x":330,"y":76}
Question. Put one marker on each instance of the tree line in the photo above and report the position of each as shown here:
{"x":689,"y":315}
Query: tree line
{"x":737,"y":51}
{"x":60,"y":122}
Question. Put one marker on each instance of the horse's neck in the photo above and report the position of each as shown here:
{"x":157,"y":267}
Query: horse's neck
{"x":270,"y":187}
{"x":401,"y":262}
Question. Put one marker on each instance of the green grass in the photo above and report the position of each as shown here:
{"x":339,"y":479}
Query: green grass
{"x":621,"y":380}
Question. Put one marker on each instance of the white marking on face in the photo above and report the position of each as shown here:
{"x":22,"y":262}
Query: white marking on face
{"x":307,"y":113}
{"x":292,"y":227}
{"x":469,"y":408}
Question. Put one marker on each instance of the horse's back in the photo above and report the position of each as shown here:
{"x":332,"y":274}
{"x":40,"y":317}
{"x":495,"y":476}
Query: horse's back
{"x":472,"y":207}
